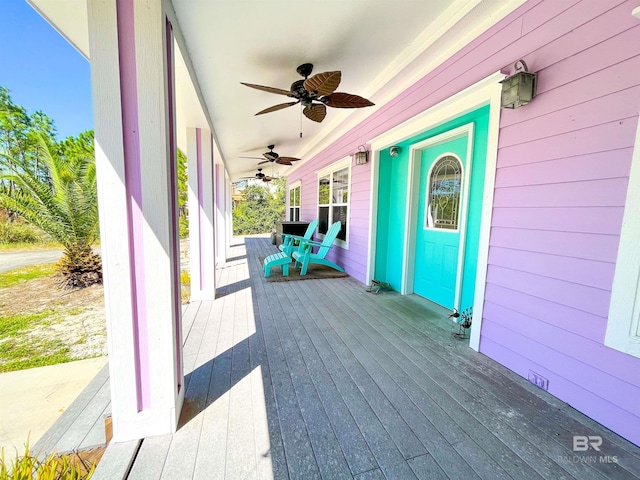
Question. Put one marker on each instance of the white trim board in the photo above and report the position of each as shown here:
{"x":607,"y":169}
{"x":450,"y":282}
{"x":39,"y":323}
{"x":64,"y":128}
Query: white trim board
{"x":413,"y":192}
{"x":484,"y":92}
{"x":291,"y":186}
{"x":623,"y":325}
{"x":345,"y":162}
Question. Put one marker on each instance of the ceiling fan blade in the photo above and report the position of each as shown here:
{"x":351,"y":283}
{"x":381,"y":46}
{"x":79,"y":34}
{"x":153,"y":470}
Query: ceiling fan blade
{"x":279,"y":91}
{"x":345,"y":100}
{"x":276,"y":107}
{"x":290,"y":159}
{"x":264,"y":161}
{"x":323,"y":83}
{"x":281,"y":161}
{"x":315,"y":112}
{"x":267,"y":179}
{"x":252,"y":158}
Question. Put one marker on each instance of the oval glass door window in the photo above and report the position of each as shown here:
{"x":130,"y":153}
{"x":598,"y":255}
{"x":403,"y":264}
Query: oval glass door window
{"x":445,"y":181}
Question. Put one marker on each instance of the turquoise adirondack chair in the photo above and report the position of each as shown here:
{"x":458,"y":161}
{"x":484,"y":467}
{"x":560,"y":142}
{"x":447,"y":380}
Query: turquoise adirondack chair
{"x":304,"y":256}
{"x":289,"y":241}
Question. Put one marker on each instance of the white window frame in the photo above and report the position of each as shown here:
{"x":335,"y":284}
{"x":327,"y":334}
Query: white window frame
{"x":330,"y":170}
{"x":623,"y":326}
{"x":293,"y":186}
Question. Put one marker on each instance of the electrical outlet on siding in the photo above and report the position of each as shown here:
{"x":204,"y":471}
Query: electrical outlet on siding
{"x":538,"y":380}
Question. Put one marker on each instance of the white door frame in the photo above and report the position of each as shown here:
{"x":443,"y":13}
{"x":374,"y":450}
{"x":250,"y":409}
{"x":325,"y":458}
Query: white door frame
{"x":413,"y":198}
{"x":484,"y":92}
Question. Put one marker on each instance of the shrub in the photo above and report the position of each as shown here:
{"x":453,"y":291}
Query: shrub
{"x":18,"y":232}
{"x":184,"y":227}
{"x":29,"y":466}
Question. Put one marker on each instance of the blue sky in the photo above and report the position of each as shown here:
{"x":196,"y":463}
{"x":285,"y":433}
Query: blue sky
{"x":43,"y":71}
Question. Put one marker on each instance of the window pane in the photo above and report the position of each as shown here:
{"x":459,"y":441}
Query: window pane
{"x":341,"y":186}
{"x":323,"y":219}
{"x":291,"y":214}
{"x":323,"y":191}
{"x":444,"y":194}
{"x":297,"y":215}
{"x":294,"y":197}
{"x":340,"y":213}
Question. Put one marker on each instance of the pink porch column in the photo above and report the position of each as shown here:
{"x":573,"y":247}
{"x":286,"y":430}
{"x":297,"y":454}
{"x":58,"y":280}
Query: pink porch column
{"x":201,"y":214}
{"x":132,"y":76}
{"x":223,"y":219}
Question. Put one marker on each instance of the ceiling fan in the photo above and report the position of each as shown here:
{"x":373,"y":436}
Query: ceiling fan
{"x":273,"y":157}
{"x":260,"y":176}
{"x":315,"y":94}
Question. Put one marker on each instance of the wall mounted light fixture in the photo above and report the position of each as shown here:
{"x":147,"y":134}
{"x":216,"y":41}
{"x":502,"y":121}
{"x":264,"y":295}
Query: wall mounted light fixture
{"x":520,"y":88}
{"x":362,"y":156}
{"x":394,"y":151}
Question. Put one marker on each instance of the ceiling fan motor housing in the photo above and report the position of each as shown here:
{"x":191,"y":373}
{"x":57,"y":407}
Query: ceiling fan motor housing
{"x":305,"y":69}
{"x":305,"y":96}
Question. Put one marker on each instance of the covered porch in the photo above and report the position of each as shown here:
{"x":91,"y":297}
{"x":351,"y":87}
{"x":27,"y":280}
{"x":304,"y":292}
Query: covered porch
{"x":320,"y":379}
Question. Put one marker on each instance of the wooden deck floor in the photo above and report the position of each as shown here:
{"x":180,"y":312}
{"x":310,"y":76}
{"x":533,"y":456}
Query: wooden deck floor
{"x":319,"y":379}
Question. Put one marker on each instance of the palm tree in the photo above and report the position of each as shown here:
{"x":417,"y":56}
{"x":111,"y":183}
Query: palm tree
{"x":60,"y":197}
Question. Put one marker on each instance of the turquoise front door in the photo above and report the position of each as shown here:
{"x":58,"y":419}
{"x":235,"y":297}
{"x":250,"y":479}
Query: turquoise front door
{"x":440,"y":220}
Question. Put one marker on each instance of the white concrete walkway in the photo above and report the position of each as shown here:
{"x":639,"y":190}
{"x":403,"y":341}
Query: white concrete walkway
{"x":32,"y":400}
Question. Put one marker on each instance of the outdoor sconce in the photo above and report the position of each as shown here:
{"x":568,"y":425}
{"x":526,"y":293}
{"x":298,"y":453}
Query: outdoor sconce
{"x":520,"y":88}
{"x":394,"y":151}
{"x":362,"y":156}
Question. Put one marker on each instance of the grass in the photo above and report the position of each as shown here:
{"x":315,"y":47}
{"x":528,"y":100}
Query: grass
{"x":13,"y":325}
{"x":13,"y":277}
{"x":22,"y":343}
{"x":19,"y":350}
{"x":23,"y":356}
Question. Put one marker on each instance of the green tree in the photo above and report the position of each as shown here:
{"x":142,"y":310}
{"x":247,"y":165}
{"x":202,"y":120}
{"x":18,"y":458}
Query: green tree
{"x":75,"y":147}
{"x":63,"y":204}
{"x":183,"y":210}
{"x":260,"y":208}
{"x":21,"y":133}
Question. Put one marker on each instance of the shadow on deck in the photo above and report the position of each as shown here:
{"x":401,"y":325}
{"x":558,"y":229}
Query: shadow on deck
{"x":319,"y":379}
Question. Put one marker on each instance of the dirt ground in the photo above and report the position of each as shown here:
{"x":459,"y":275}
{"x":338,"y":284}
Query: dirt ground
{"x":79,"y":321}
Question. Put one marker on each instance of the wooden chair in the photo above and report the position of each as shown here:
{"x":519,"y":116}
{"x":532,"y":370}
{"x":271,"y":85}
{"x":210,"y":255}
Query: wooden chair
{"x":304,"y":255}
{"x":289,"y":241}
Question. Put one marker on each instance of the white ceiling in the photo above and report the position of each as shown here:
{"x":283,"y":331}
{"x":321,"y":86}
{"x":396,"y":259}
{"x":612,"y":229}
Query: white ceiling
{"x":263,"y":41}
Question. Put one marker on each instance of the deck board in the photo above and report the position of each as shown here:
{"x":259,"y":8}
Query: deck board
{"x":409,"y":367}
{"x":481,"y":387}
{"x":319,"y":379}
{"x":69,"y":431}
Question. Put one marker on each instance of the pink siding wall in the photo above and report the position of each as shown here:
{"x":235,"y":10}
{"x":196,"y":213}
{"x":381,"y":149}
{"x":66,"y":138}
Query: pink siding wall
{"x":563,"y":166}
